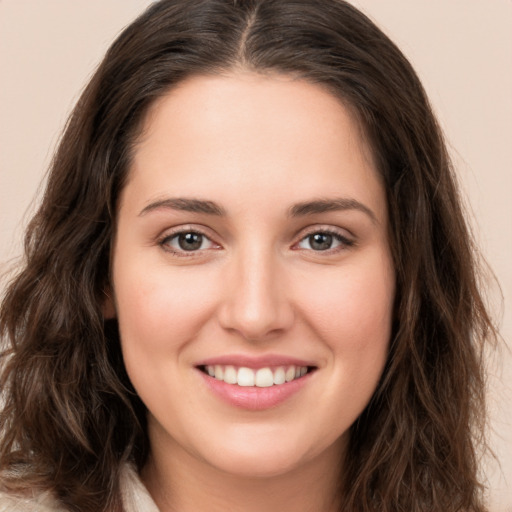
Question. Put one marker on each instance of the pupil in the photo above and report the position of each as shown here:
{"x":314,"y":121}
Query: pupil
{"x":320,"y":241}
{"x":190,"y":241}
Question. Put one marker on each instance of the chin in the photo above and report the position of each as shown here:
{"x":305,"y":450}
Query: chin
{"x":266,"y":456}
{"x":257,"y":465}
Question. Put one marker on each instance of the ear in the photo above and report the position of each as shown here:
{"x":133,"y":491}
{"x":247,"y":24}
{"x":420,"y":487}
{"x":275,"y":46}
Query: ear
{"x":108,"y":307}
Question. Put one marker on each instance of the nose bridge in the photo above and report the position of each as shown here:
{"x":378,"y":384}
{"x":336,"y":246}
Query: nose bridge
{"x":255,"y":302}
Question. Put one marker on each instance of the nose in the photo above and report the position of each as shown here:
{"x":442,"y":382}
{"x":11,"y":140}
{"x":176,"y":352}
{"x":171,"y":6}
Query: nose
{"x":255,"y":303}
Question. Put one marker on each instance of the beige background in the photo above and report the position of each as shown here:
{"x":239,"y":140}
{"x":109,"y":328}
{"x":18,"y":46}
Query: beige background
{"x":462,"y":50}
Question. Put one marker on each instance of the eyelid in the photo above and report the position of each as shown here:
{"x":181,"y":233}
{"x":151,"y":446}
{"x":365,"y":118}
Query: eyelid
{"x":339,"y":233}
{"x":183,"y":229}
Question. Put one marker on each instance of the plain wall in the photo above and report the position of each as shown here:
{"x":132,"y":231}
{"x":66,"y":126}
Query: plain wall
{"x":462,"y":50}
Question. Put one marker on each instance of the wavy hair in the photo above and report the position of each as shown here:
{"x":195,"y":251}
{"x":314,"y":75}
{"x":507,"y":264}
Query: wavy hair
{"x":70,"y":418}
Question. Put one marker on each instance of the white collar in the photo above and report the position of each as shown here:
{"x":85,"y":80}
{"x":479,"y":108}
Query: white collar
{"x":135,"y":496}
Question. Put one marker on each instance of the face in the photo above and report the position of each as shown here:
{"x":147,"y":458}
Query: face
{"x":252,"y":274}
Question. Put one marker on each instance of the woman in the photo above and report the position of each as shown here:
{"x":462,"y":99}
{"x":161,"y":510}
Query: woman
{"x":250,"y":285}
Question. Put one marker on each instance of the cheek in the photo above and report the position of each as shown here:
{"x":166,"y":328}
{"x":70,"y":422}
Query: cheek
{"x":161,"y":308}
{"x":349,"y":311}
{"x":159,"y":313}
{"x":352,"y":315}
{"x":353,"y":306}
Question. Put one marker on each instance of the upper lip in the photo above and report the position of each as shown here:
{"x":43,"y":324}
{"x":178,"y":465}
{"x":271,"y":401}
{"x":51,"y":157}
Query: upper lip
{"x":247,"y":361}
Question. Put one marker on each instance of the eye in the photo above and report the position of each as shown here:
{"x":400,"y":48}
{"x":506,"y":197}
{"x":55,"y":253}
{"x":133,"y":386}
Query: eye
{"x":324,"y":241}
{"x":187,"y":241}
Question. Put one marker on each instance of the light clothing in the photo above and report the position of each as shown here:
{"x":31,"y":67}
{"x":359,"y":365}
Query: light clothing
{"x":135,"y":498}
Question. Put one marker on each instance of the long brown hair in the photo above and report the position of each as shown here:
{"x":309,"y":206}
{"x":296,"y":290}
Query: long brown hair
{"x":70,"y":418}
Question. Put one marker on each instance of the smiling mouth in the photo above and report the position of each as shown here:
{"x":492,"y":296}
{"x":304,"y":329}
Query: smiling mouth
{"x":262,"y":377}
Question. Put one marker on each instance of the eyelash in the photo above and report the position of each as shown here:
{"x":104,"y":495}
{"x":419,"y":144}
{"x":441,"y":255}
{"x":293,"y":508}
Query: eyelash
{"x":164,"y":241}
{"x":344,"y":242}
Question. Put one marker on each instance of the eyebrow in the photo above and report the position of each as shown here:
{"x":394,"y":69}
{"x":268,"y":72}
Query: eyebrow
{"x":185,"y":205}
{"x":313,"y":207}
{"x":330,"y":205}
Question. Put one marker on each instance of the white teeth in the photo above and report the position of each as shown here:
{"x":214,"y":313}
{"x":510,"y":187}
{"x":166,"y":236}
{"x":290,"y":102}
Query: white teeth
{"x":230,"y":375}
{"x":290,"y":374}
{"x":262,"y":378}
{"x":245,"y":377}
{"x":219,"y":372}
{"x":279,"y":376}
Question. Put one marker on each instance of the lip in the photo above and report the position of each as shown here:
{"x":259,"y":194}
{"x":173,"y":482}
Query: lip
{"x":254,"y":398}
{"x":255,"y":362}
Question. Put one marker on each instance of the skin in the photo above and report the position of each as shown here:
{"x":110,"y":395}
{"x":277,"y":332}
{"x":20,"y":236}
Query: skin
{"x":256,"y":146}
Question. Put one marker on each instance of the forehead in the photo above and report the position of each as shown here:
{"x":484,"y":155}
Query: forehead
{"x":250,"y":132}
{"x":248,"y":98}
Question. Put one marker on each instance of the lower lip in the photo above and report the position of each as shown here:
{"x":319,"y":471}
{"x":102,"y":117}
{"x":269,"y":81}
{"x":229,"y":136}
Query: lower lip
{"x":254,"y":398}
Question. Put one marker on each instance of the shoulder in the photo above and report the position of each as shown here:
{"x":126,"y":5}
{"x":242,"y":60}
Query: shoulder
{"x":135,"y":497}
{"x":43,"y":502}
{"x":18,"y":499}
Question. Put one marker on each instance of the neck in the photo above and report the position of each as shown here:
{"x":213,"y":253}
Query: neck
{"x":184,"y":483}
